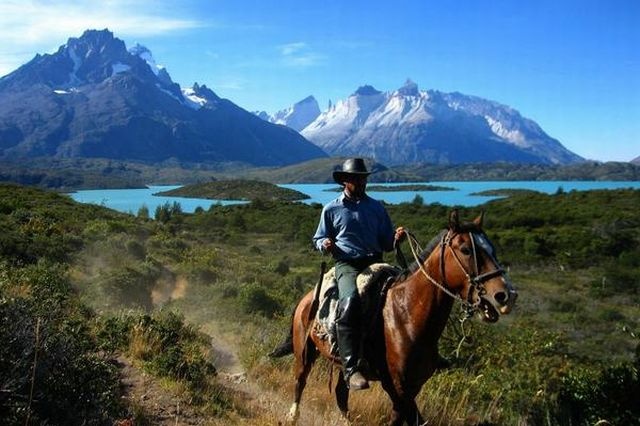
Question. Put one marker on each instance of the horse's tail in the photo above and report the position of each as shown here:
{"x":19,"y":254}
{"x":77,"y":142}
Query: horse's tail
{"x":286,"y":347}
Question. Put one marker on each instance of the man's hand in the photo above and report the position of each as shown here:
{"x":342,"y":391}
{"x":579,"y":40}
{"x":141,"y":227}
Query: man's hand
{"x":400,"y":235}
{"x":327,"y":245}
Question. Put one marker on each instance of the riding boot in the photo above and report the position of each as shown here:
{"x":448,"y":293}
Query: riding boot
{"x":348,"y":331}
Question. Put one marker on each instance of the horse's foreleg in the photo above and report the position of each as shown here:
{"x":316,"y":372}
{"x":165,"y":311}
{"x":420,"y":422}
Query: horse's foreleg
{"x":342,"y":395}
{"x":406,"y":411}
{"x":404,"y":406}
{"x":413,"y":416}
{"x":304,"y":362}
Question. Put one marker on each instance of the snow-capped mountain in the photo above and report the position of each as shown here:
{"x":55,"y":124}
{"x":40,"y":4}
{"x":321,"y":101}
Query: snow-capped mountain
{"x":409,"y":125}
{"x":298,"y":116}
{"x":95,"y":98}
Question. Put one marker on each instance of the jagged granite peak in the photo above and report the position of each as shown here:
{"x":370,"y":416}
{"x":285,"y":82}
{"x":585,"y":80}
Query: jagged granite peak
{"x":366,"y":90}
{"x":94,"y":98}
{"x":411,"y":126}
{"x":199,"y":96}
{"x":297,"y":117}
{"x":89,"y":59}
{"x":409,"y":89}
{"x":145,"y":54}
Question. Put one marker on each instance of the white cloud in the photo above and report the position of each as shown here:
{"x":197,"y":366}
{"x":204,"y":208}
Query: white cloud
{"x":229,"y":83}
{"x":299,"y":55}
{"x":40,"y":26}
{"x":292,"y":48}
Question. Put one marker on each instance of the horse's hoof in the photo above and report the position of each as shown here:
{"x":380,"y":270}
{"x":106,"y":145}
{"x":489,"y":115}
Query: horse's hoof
{"x":294,"y":413}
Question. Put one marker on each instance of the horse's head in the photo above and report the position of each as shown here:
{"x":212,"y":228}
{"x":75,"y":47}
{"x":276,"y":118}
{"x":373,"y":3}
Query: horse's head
{"x":471,"y":268}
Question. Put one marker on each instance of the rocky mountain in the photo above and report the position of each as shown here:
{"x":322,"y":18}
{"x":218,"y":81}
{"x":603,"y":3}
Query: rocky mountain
{"x":298,"y":116}
{"x":95,"y":98}
{"x":409,"y":125}
{"x":636,"y":161}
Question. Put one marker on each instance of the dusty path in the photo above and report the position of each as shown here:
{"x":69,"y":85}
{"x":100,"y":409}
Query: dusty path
{"x":158,"y":405}
{"x":269,"y":405}
{"x":257,"y":405}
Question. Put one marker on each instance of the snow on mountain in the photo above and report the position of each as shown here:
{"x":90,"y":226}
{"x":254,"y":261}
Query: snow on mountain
{"x":146,"y":55}
{"x":297,"y":116}
{"x":409,"y":125}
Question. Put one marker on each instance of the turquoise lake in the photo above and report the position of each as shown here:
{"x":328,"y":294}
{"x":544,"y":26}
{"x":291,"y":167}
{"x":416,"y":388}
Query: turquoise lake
{"x":130,"y":200}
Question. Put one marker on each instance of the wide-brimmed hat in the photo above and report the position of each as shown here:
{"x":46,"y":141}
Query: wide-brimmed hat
{"x":351,"y":166}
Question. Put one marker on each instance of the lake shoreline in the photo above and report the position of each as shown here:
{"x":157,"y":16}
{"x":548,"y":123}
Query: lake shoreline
{"x":463,"y":194}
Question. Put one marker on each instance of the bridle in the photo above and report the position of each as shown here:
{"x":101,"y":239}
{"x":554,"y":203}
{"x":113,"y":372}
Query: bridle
{"x":475,"y":279}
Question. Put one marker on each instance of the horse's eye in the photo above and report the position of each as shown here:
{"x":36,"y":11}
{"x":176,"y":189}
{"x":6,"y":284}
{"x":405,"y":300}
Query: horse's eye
{"x":465,"y":250}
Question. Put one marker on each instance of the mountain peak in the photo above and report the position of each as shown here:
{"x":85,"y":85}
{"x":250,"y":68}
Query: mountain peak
{"x":308,"y":99}
{"x":145,"y":54}
{"x":93,"y":42}
{"x":94,"y":36}
{"x":410,"y":126}
{"x":94,"y":98}
{"x":410,"y":88}
{"x":297,"y":116}
{"x":366,"y":90}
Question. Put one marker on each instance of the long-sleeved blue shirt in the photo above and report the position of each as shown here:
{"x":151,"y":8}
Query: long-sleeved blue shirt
{"x":358,"y":228}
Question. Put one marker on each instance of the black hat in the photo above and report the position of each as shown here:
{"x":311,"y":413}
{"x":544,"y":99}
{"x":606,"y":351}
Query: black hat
{"x":351,"y":166}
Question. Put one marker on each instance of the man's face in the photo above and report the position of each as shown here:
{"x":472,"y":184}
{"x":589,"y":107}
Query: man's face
{"x":355,"y":185}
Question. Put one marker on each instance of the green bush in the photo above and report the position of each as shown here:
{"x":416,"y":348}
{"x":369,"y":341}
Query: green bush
{"x":163,"y":341}
{"x":255,"y":299}
{"x":589,"y":395}
{"x":44,"y":332}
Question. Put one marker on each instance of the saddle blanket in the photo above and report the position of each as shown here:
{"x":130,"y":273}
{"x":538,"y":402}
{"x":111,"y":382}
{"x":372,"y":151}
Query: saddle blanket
{"x":325,"y":326}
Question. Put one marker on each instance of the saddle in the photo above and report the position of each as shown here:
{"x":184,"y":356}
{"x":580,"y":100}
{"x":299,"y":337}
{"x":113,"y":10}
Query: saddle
{"x":370,"y":283}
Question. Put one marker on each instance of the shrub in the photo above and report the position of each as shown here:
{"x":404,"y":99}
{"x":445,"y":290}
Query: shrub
{"x":44,"y":333}
{"x":589,"y":395}
{"x":255,"y":299}
{"x":143,"y":212}
{"x":164,"y":342}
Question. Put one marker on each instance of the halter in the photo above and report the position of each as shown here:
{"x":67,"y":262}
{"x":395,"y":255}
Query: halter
{"x":475,"y":279}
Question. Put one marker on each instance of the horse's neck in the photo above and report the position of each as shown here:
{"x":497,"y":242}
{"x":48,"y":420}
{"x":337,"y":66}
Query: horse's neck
{"x":431,"y":306}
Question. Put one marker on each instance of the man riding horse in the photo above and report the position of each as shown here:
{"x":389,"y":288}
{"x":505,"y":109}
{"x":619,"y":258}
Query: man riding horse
{"x":356,"y":230}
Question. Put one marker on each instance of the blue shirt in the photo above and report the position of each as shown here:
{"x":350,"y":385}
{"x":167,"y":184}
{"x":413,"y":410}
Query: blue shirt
{"x":358,"y":228}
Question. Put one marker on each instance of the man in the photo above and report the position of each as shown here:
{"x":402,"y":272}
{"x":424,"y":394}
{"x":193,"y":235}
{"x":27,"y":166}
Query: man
{"x":356,"y":230}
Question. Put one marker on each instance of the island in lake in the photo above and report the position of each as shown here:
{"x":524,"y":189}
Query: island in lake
{"x":400,"y":188}
{"x":505,"y":192}
{"x":236,"y":189}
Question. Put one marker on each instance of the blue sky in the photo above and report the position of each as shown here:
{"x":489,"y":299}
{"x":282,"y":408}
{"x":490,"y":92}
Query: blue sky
{"x":573,"y":66}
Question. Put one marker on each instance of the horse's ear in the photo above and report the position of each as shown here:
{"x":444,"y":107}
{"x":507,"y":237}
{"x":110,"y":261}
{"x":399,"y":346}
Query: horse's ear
{"x":478,"y":220}
{"x":454,"y":220}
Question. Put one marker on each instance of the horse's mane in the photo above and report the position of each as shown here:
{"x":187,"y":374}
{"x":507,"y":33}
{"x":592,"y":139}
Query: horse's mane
{"x":427,"y":251}
{"x":463,"y":227}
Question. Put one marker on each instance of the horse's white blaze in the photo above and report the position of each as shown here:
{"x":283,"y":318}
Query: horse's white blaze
{"x":294,"y":412}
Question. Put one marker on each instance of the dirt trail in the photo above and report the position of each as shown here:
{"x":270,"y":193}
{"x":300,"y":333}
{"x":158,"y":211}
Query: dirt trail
{"x":272,"y":404}
{"x":159,"y":405}
{"x":260,"y":406}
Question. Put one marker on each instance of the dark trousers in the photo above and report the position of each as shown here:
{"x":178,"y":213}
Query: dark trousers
{"x":347,"y":271}
{"x":348,"y":321}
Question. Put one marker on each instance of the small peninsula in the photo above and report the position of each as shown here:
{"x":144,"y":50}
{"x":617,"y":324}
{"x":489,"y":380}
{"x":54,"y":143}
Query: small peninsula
{"x":400,"y":188}
{"x":236,"y":189}
{"x":504,"y":192}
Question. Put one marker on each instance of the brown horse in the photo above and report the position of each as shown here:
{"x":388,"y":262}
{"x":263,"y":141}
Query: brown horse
{"x":402,"y":351}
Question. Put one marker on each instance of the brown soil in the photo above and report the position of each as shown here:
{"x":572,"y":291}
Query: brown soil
{"x":155,"y":404}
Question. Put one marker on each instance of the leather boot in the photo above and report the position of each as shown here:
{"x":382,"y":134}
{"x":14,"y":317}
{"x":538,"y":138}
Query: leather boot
{"x":348,"y":330}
